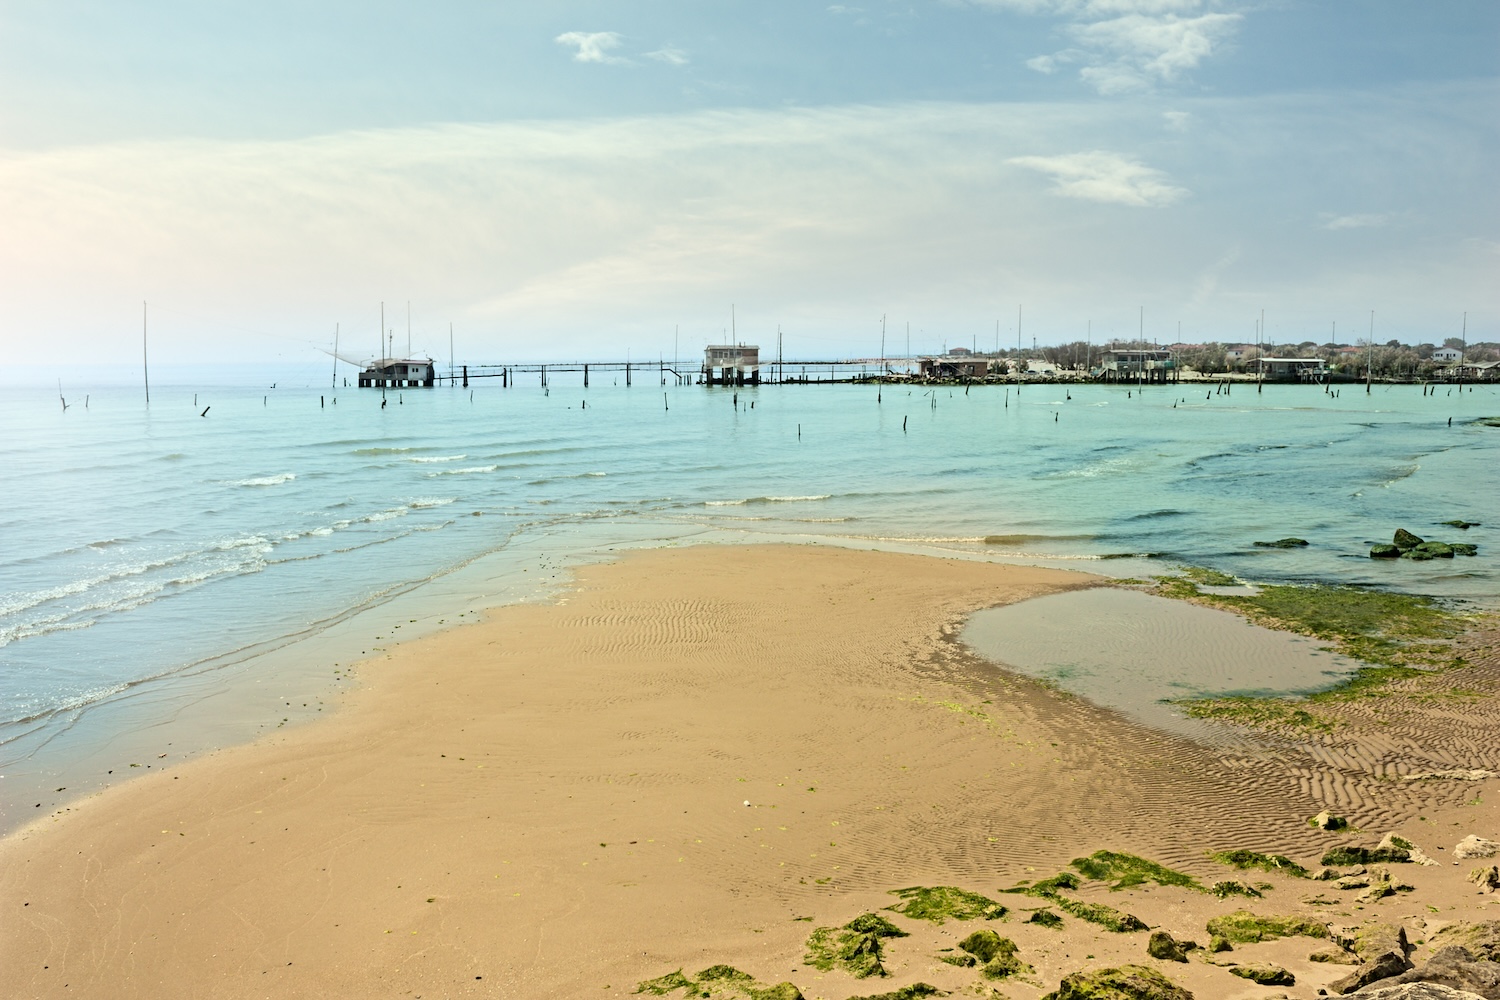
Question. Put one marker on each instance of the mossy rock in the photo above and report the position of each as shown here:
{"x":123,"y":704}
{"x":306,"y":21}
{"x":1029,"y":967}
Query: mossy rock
{"x":1384,"y":552}
{"x":1463,"y":549}
{"x":1283,"y":543}
{"x":1046,"y":918}
{"x":663,"y":985}
{"x":1462,"y":525}
{"x":1431,"y":550}
{"x":855,"y":947}
{"x":1244,"y":927}
{"x":916,"y":991}
{"x":1404,"y":539}
{"x":1126,"y":870}
{"x":718,"y":980}
{"x":1127,"y":982}
{"x":1167,"y":948}
{"x":1218,"y":943}
{"x":1107,"y":917}
{"x":1346,"y":855}
{"x":1265,"y":974}
{"x":1326,"y":820}
{"x":1243,"y":859}
{"x":997,"y":953}
{"x":1488,"y":421}
{"x":938,"y":903}
{"x":1482,"y":938}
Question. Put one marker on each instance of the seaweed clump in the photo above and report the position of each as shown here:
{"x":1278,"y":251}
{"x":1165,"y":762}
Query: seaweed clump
{"x":998,"y":954}
{"x":1243,"y":927}
{"x":1095,"y":913}
{"x":938,"y":903}
{"x":721,"y":981}
{"x":916,"y":991}
{"x":1127,"y":982}
{"x":1126,"y":870}
{"x":856,"y":947}
{"x":1243,"y":859}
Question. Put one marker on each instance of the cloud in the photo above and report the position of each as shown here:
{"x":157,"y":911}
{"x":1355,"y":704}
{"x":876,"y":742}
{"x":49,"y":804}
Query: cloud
{"x":593,"y":46}
{"x":1367,"y":221}
{"x":1177,"y":121}
{"x":670,"y":55}
{"x":1130,"y":45}
{"x":1104,"y":177}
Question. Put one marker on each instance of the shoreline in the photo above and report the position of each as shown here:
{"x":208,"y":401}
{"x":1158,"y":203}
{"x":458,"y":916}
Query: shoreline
{"x":641,"y":705}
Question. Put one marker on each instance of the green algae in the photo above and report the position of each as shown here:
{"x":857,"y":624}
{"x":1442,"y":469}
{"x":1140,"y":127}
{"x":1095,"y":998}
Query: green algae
{"x":1263,"y":713}
{"x":1051,"y":890}
{"x":855,"y":947}
{"x":1233,"y":888}
{"x":1264,"y":974}
{"x":1243,"y":859}
{"x":938,"y":903}
{"x":998,"y":954}
{"x":1124,"y":871}
{"x":1045,"y":918}
{"x":1344,"y":855}
{"x":723,"y":981}
{"x":916,"y":991}
{"x":1244,"y":927}
{"x":1127,"y":982}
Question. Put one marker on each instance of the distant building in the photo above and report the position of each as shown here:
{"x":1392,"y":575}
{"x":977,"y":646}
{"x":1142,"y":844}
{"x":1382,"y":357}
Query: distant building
{"x":398,"y":373}
{"x":1293,"y":369}
{"x":952,"y":366}
{"x":1133,"y":364}
{"x":731,"y":364}
{"x":1446,"y":355}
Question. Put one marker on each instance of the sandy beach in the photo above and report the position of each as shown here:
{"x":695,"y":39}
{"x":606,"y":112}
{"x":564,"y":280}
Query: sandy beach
{"x":698,"y":756}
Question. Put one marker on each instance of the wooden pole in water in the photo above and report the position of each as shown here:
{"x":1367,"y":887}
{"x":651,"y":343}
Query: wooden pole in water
{"x":1370,"y":353}
{"x":145,"y":367}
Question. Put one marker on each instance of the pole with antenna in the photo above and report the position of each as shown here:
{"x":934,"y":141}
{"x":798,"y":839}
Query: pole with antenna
{"x":145,"y":367}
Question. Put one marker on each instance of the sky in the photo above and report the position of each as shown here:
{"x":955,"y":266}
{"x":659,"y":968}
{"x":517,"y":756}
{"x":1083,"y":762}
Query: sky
{"x":589,"y":180}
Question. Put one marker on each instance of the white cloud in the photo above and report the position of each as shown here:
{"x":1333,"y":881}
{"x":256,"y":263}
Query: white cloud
{"x":1177,"y":121}
{"x":669,"y":54}
{"x":1130,"y":45}
{"x":1367,"y":221}
{"x":593,"y":46}
{"x":1104,"y":177}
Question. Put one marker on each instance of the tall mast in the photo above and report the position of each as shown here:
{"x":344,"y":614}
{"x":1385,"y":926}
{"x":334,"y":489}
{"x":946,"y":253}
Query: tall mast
{"x":1370,"y":353}
{"x":335,"y":382}
{"x":145,"y":369}
{"x":408,"y":328}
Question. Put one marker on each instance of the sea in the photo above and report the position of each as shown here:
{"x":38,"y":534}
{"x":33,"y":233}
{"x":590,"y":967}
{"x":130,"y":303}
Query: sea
{"x":189,"y":573}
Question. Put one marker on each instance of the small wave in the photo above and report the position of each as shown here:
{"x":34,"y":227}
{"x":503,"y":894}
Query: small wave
{"x":1153,"y":514}
{"x":436,"y":458}
{"x":591,"y":475}
{"x":277,"y":480}
{"x":105,"y":543}
{"x":739,"y":503}
{"x":384,"y":515}
{"x":422,"y":503}
{"x":381,"y":451}
{"x":470,"y":470}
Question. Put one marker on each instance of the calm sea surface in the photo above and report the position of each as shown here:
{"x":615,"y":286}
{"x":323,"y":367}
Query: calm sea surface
{"x":142,"y":547}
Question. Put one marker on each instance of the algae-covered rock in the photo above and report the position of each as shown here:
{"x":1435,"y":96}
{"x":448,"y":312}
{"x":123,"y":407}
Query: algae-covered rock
{"x":1046,"y":918}
{"x":1481,"y":938}
{"x":1464,"y":548}
{"x":1459,"y":968}
{"x":1265,"y":974}
{"x":1167,"y":948}
{"x":1333,"y":956}
{"x":1218,"y":944}
{"x":1244,"y":927}
{"x":916,"y":991}
{"x":1382,"y":551}
{"x":1347,"y":854}
{"x":1243,"y":859}
{"x":1368,"y":941}
{"x":938,"y":903}
{"x":855,"y":947}
{"x":1107,"y":917}
{"x":1462,"y":525}
{"x":663,"y":985}
{"x":1234,"y":887}
{"x":1127,"y":982}
{"x":1432,"y":550}
{"x":1382,"y":966}
{"x":984,"y":944}
{"x":1326,"y":820}
{"x":1283,"y":543}
{"x":1405,"y":540}
{"x":718,"y":980}
{"x":1126,"y":870}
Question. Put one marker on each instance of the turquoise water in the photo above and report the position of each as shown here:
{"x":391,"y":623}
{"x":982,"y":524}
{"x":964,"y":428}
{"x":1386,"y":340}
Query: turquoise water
{"x":142,"y":545}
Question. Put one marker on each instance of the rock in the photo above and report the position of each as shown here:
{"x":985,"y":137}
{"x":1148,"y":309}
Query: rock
{"x":1383,"y":966}
{"x":1462,"y":525}
{"x":1475,"y":847}
{"x":1369,"y":941}
{"x":1353,"y":882}
{"x":1326,"y":875}
{"x":1482,"y":939}
{"x":1415,"y":991}
{"x":1486,"y":878}
{"x":1377,"y":891}
{"x":1457,"y":967}
{"x":1433,"y":550}
{"x":1384,"y":552}
{"x":1283,"y":543}
{"x":1349,"y":855}
{"x":1326,"y":820}
{"x":1218,"y":943}
{"x":1464,"y":548}
{"x":1128,"y":982}
{"x":1405,"y":540}
{"x":1333,"y":956}
{"x":1167,"y":948}
{"x":1265,"y":974}
{"x":1394,"y":840}
{"x":1418,"y":555}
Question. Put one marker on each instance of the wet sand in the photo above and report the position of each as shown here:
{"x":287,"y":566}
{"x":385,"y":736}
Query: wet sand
{"x":553,"y":802}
